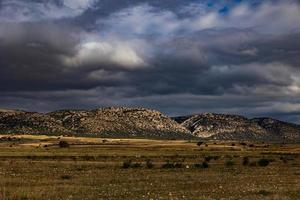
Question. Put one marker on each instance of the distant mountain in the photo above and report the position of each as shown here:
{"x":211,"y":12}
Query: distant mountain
{"x":145,"y":123}
{"x":234,"y":127}
{"x":106,"y":122}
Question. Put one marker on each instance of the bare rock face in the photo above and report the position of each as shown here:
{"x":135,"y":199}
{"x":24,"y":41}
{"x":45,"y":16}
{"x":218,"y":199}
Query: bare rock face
{"x":21,"y":122}
{"x":219,"y":126}
{"x":121,"y":122}
{"x":234,"y":127}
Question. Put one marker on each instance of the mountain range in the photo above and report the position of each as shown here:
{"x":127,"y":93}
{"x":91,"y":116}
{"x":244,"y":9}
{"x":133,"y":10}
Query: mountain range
{"x":146,"y":123}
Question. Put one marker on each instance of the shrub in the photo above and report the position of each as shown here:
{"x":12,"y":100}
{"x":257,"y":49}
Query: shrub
{"x":199,"y":143}
{"x":149,"y":164}
{"x":172,"y":165}
{"x":126,"y":164}
{"x":202,"y":165}
{"x":229,"y":163}
{"x":65,"y":177}
{"x":216,"y":157}
{"x":136,"y":165}
{"x":246,"y":161}
{"x":264,"y":192}
{"x":263,"y":162}
{"x":284,"y":159}
{"x":205,"y":165}
{"x":63,"y":144}
{"x":208,"y":158}
{"x":253,"y":164}
{"x":178,"y":165}
{"x":167,"y":165}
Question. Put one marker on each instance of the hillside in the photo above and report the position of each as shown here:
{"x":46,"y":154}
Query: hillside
{"x":124,"y":122}
{"x":121,"y":122}
{"x":234,"y":127}
{"x":21,"y":122}
{"x":106,"y":122}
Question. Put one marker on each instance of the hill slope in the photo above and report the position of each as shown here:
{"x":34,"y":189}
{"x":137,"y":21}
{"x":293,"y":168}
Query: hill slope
{"x":234,"y":127}
{"x":108,"y":122}
{"x":121,"y":122}
{"x":21,"y":122}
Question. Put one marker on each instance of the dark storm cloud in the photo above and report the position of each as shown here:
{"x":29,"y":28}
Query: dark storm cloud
{"x":177,"y":56}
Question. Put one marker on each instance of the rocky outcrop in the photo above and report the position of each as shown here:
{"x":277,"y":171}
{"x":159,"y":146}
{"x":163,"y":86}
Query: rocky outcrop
{"x":234,"y":127}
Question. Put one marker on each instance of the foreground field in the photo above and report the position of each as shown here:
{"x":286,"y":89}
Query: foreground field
{"x":35,"y":167}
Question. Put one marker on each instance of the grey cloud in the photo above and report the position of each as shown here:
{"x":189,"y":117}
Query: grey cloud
{"x":147,"y":55}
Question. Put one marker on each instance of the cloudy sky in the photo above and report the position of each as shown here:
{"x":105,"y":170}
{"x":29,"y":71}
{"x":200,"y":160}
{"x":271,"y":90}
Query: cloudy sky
{"x":178,"y":56}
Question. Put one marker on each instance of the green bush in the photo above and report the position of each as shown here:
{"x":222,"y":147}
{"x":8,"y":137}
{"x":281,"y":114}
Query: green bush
{"x":264,"y":192}
{"x":199,"y":143}
{"x":202,"y":165}
{"x":169,"y":165}
{"x":63,"y":144}
{"x":246,"y":161}
{"x":253,"y":164}
{"x":65,"y":177}
{"x":136,"y":165}
{"x":229,"y":163}
{"x":209,"y":158}
{"x":263,"y":162}
{"x":149,"y":164}
{"x":126,"y":164}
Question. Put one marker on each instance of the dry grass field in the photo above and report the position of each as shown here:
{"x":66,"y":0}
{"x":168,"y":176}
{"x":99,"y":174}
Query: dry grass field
{"x":36,"y":167}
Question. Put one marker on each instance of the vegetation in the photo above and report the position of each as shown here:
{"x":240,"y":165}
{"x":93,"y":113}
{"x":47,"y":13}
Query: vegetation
{"x":246,"y":161}
{"x":229,"y":163}
{"x":149,"y":164}
{"x":133,"y":169}
{"x":127,"y":164}
{"x":204,"y":164}
{"x":63,"y":144}
{"x":263,"y":162}
{"x":199,"y":143}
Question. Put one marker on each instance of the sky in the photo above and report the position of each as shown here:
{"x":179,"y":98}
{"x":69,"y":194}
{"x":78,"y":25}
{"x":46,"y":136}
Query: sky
{"x":177,"y":56}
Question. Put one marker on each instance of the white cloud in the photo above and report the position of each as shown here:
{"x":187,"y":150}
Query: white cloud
{"x":100,"y":52}
{"x":142,"y":19}
{"x":78,"y":4}
{"x":22,"y":11}
{"x":267,"y":18}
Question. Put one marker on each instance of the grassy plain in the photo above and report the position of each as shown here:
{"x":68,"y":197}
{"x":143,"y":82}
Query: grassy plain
{"x":35,"y":167}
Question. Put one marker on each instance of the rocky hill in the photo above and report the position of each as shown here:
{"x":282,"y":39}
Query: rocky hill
{"x":21,"y":122}
{"x":146,"y":123}
{"x":234,"y":127}
{"x":283,"y":130}
{"x":107,"y":122}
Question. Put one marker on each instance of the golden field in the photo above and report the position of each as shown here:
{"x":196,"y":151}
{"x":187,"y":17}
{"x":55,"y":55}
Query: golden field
{"x":36,"y":167}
